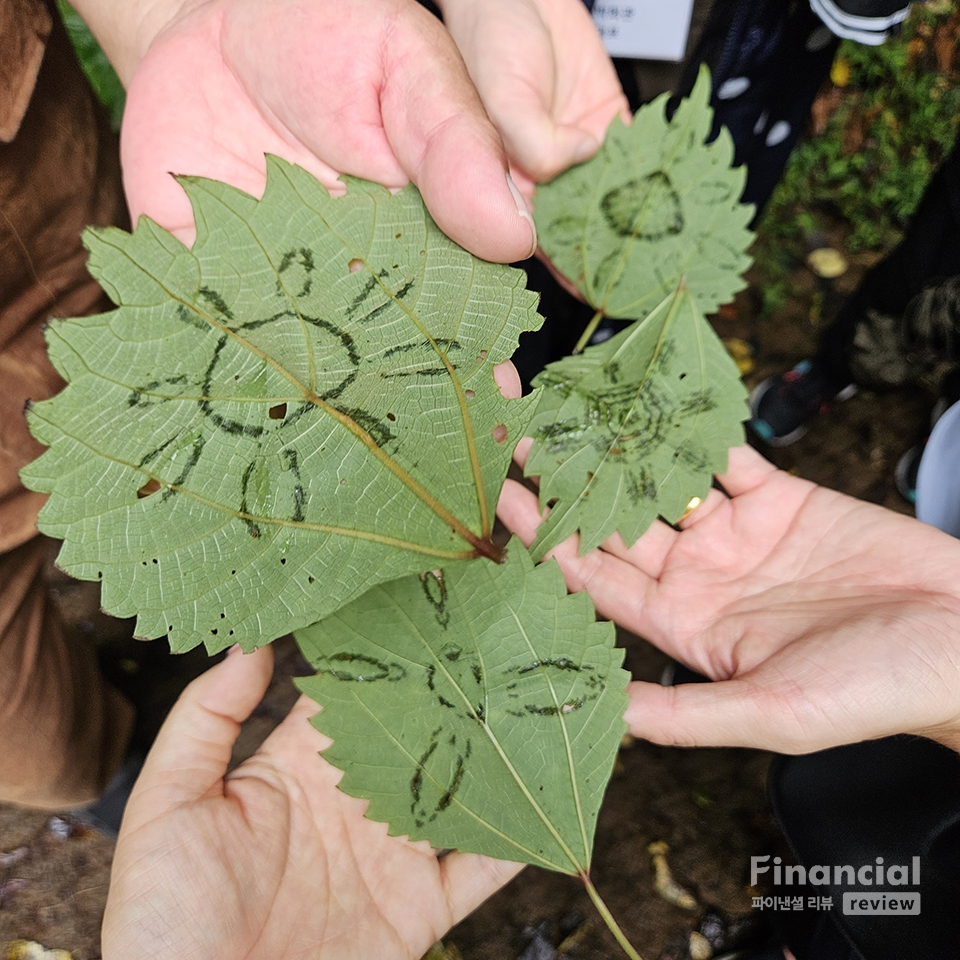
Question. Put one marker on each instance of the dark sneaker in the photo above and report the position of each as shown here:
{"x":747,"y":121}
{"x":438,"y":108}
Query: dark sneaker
{"x":781,"y":407}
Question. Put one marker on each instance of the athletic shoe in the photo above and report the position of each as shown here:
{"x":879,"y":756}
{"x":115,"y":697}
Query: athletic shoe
{"x":781,"y":407}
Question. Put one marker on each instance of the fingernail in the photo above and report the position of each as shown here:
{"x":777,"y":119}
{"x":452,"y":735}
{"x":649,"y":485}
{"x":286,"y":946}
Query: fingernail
{"x":585,"y":150}
{"x":524,"y":212}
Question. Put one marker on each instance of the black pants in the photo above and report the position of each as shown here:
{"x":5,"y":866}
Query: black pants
{"x":896,"y":798}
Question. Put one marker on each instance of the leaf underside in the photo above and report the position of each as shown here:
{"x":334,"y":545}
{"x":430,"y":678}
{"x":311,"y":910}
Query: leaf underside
{"x":298,"y":408}
{"x":635,"y":427}
{"x":655,"y":206}
{"x":481,"y":711}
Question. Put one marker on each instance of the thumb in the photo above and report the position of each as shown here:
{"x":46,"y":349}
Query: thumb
{"x":189,"y":758}
{"x":541,"y":147}
{"x":726,"y":713}
{"x":465,"y":184}
{"x":444,"y":142}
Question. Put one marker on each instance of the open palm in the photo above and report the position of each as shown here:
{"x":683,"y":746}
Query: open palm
{"x":372,"y":88}
{"x":828,"y":619}
{"x":270,"y":860}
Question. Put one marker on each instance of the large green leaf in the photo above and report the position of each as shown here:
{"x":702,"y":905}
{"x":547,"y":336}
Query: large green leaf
{"x":634,"y":427}
{"x":310,"y":393}
{"x":655,"y":206}
{"x":480,"y":711}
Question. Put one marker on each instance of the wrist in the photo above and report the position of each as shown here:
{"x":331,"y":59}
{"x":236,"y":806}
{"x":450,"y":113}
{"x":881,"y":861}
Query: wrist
{"x":125,"y":30}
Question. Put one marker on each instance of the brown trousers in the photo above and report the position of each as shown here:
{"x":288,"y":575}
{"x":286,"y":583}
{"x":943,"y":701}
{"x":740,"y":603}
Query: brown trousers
{"x":63,"y":730}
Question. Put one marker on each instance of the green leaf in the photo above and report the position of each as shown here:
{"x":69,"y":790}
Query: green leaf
{"x":635,"y":427}
{"x":482,"y":711}
{"x":655,"y":206}
{"x":310,"y":393}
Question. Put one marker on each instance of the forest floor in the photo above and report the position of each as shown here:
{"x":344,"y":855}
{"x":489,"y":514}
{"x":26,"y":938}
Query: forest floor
{"x":708,"y":805}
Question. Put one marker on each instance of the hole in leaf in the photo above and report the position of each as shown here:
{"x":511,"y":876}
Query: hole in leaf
{"x":283,"y":560}
{"x":355,"y":264}
{"x":154,"y":560}
{"x":500,"y":433}
{"x":214,"y":632}
{"x":482,"y":356}
{"x":233,"y":573}
{"x":230,"y":634}
{"x":391,"y":417}
{"x":278,"y":412}
{"x":223,"y":615}
{"x":151,"y":486}
{"x":469,"y":394}
{"x":311,"y":579}
{"x":682,"y":375}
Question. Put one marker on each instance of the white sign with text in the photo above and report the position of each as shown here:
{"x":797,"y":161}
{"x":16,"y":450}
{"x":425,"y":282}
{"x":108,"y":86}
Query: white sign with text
{"x":644,"y":29}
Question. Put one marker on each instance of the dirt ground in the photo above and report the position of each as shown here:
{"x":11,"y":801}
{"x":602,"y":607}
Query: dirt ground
{"x":708,"y":806}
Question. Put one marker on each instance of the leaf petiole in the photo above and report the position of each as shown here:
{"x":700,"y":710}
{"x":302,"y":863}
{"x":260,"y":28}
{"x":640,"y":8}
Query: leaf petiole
{"x":589,"y":332}
{"x":607,"y":916}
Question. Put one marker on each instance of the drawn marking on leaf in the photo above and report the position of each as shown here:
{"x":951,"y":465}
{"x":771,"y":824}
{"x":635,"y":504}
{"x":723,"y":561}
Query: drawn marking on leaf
{"x":141,"y":396}
{"x":486,"y":522}
{"x":148,"y":458}
{"x":362,"y":296}
{"x":303,"y":256}
{"x":480,"y":546}
{"x":480,"y":543}
{"x":429,"y":372}
{"x":223,"y":423}
{"x":299,"y":497}
{"x":216,"y":301}
{"x":252,"y":528}
{"x":436,"y":594}
{"x":568,"y":706}
{"x":478,"y":737}
{"x":188,"y":467}
{"x":450,"y":343}
{"x":659,"y":216}
{"x":636,"y":226}
{"x":357,"y":667}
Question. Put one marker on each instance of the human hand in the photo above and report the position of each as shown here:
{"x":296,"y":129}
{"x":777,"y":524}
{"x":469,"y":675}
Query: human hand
{"x":544,"y":77}
{"x":825,"y":620}
{"x":270,"y":860}
{"x":372,"y":88}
